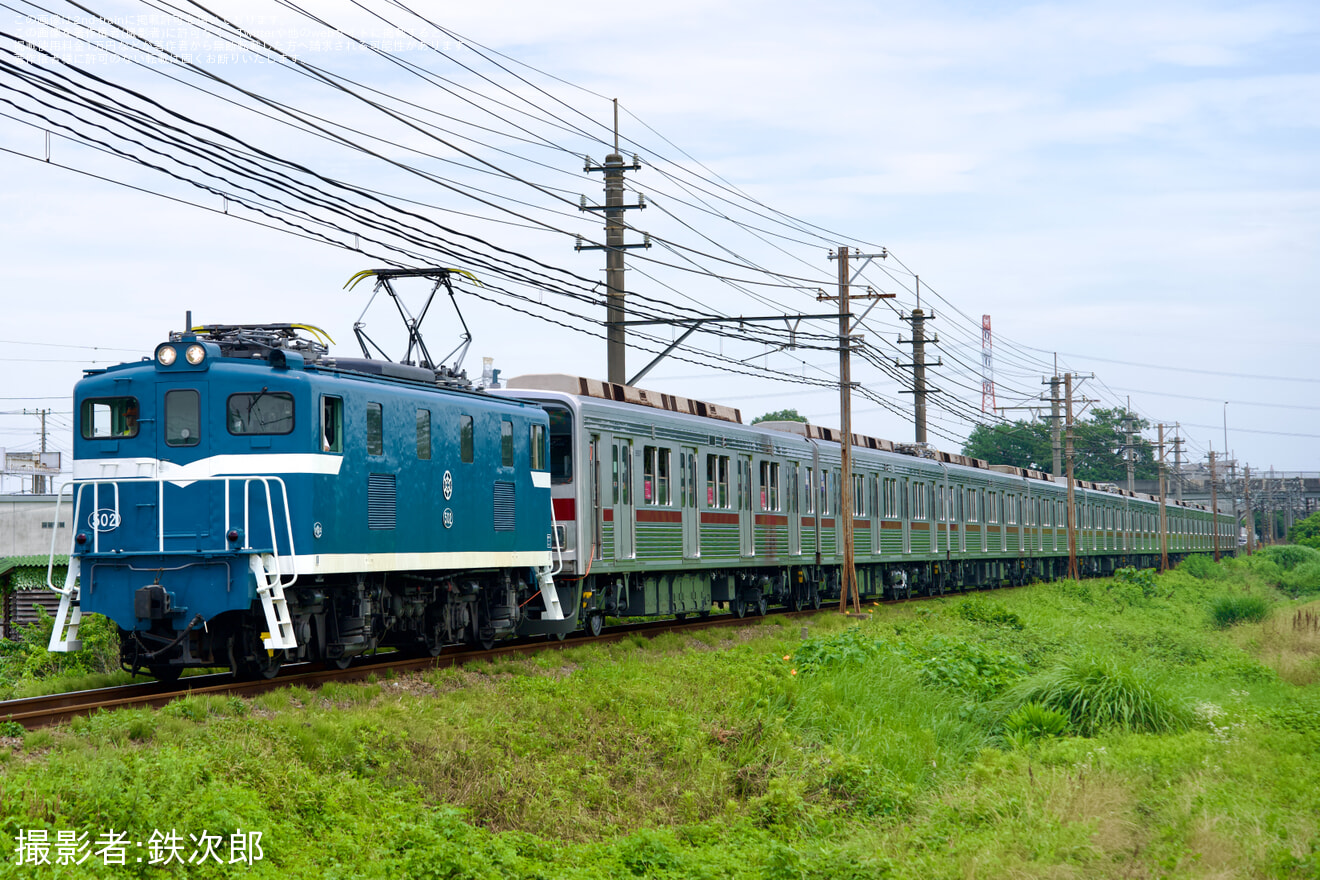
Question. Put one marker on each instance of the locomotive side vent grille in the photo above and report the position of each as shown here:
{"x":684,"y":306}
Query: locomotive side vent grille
{"x":504,"y":506}
{"x":380,"y":501}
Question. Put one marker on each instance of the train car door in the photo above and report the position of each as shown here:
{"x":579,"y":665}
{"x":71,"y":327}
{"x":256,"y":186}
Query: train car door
{"x":621,"y":464}
{"x":905,"y":508}
{"x":793,"y":481}
{"x":746,"y":517}
{"x":687,"y":463}
{"x":190,"y":513}
{"x":593,"y":495}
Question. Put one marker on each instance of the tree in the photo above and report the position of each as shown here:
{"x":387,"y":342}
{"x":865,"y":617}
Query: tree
{"x":1098,"y":444}
{"x":1306,"y":531}
{"x":782,"y":415}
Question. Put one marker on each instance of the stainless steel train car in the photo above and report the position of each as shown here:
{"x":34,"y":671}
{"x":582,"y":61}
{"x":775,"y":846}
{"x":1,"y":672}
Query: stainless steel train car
{"x":665,"y":505}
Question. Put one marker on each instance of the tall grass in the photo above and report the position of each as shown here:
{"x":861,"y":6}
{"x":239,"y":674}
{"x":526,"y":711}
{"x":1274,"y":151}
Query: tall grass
{"x":1226,"y":611}
{"x":1098,"y":694}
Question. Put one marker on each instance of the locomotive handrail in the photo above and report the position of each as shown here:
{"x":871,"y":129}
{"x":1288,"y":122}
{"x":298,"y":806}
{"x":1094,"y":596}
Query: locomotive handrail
{"x":77,"y":489}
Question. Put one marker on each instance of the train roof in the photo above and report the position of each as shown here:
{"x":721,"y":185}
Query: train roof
{"x":627,"y":394}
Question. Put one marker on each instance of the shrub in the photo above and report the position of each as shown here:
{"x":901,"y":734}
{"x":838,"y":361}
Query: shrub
{"x":1031,"y":722}
{"x":1289,"y":556}
{"x":1144,"y":579}
{"x":1099,"y":694}
{"x":982,"y":611}
{"x":966,"y":666}
{"x":1302,"y":580}
{"x":1226,"y":611}
{"x":1199,"y":566}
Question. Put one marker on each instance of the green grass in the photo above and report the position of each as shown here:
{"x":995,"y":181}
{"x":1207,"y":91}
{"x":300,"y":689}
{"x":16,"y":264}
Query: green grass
{"x":1226,"y":611}
{"x":1100,"y":729}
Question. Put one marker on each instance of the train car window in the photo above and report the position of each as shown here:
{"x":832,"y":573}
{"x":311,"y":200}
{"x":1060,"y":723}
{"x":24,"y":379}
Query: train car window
{"x":424,"y":434}
{"x":859,"y":495}
{"x":183,"y":417}
{"x":615,"y":475}
{"x":561,"y":445}
{"x":625,"y":473}
{"x":538,"y":447}
{"x":971,"y":506}
{"x":808,"y":493}
{"x":375,"y":430}
{"x":655,"y":475}
{"x":109,"y":417}
{"x":465,"y":439}
{"x":332,"y":424}
{"x":260,"y":412}
{"x":692,"y":479}
{"x":506,"y":442}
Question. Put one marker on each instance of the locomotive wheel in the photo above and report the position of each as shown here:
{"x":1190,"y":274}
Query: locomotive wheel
{"x":762,"y":606}
{"x":738,"y":607}
{"x":595,"y":623}
{"x":815,"y":600}
{"x":338,"y":662}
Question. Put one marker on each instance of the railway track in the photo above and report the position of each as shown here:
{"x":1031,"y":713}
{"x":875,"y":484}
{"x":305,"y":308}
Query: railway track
{"x":37,"y":712}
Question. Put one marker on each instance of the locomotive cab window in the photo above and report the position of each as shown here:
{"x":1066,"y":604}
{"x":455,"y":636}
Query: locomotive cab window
{"x":183,"y":417}
{"x":332,"y":424}
{"x":465,"y":439}
{"x":109,"y":417}
{"x":260,"y":412}
{"x":538,"y":447}
{"x":506,"y":443}
{"x":375,"y":430}
{"x":423,"y":434}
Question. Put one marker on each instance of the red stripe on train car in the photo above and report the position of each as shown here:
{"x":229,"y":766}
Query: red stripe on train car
{"x":565,"y":509}
{"x":607,"y":514}
{"x":770,"y":519}
{"x":659,"y":516}
{"x":725,"y":518}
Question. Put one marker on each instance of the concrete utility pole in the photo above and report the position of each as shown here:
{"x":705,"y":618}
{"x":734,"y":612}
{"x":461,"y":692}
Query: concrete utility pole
{"x":1251,"y":514}
{"x":1214,"y":505}
{"x":1073,"y":571}
{"x":614,"y":248}
{"x":1055,"y":437}
{"x":1177,"y":462}
{"x":848,"y":586}
{"x":1129,"y":450}
{"x":1164,"y":530}
{"x":918,"y":320}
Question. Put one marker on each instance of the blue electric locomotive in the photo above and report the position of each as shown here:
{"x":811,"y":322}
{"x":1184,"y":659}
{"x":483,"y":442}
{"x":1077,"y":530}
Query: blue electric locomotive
{"x":243,"y":499}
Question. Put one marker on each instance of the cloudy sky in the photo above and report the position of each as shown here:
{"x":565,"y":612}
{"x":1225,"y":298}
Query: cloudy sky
{"x":1131,"y":187}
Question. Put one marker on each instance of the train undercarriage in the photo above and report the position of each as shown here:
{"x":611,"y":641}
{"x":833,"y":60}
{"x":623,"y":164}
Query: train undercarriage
{"x":336,"y":619}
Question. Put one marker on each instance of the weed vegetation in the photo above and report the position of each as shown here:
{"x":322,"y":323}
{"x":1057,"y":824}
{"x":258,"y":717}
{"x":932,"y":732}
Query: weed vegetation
{"x":1107,"y":728}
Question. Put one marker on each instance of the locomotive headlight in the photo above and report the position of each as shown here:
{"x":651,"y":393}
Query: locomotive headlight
{"x":195,"y":354}
{"x":166,"y":355}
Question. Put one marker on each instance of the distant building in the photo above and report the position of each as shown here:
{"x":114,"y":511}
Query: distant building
{"x":28,"y":522}
{"x":23,"y":588}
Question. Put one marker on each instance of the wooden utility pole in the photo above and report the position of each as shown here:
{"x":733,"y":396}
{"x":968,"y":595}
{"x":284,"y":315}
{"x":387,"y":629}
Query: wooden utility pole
{"x":1164,"y":522}
{"x":1073,"y":571}
{"x":848,"y":581}
{"x":1214,"y":504}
